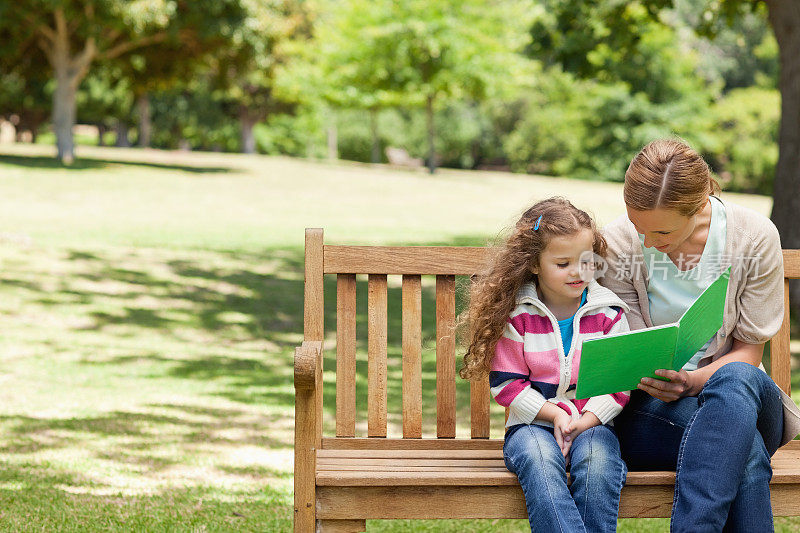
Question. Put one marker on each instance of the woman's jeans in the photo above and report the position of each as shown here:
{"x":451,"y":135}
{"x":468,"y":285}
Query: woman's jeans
{"x":719,"y":443}
{"x":591,"y":501}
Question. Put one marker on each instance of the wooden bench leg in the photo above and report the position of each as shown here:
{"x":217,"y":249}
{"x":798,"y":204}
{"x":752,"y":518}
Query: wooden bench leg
{"x":341,"y":526}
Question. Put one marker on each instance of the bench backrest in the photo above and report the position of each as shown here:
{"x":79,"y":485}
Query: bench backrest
{"x":413,"y":262}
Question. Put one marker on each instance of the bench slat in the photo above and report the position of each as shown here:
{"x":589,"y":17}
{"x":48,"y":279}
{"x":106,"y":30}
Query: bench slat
{"x":361,"y":443}
{"x":435,"y":260}
{"x":498,"y":502}
{"x":444,"y":260}
{"x":412,"y":357}
{"x":314,"y":308}
{"x":487,"y":502}
{"x":454,"y":476}
{"x":479,"y":407}
{"x":344,"y":478}
{"x":780,"y":350}
{"x":386,"y":467}
{"x":445,"y":356}
{"x":346,"y":355}
{"x":377,"y":354}
{"x":791,"y":264}
{"x":435,"y":454}
{"x":475,"y":467}
{"x":344,"y":463}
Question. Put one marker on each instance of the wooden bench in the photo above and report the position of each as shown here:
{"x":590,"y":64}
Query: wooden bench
{"x":340,"y":481}
{"x":399,"y":157}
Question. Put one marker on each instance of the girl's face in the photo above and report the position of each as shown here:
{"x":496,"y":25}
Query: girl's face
{"x":565,"y":267}
{"x":663,"y":229}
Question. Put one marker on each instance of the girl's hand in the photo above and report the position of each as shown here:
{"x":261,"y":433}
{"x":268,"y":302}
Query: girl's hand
{"x":680,"y":384}
{"x":561,"y":431}
{"x":587,"y":420}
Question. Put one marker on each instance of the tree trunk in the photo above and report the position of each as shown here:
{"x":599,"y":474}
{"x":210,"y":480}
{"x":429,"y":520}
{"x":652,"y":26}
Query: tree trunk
{"x":145,"y":124}
{"x":247,"y":121}
{"x":64,"y":110}
{"x":122,"y":135}
{"x":69,"y":71}
{"x":376,"y":141}
{"x":431,"y":135}
{"x":784,"y":16}
{"x":101,"y":132}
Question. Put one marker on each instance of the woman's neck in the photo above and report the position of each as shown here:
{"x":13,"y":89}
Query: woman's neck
{"x":688,"y":254}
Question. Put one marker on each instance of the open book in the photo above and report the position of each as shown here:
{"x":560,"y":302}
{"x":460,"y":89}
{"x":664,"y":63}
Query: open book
{"x":617,"y":363}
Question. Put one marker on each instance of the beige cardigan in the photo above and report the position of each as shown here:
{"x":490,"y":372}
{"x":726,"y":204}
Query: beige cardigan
{"x":754,"y":309}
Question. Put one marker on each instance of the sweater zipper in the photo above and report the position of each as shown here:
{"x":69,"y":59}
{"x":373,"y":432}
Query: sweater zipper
{"x":565,"y":369}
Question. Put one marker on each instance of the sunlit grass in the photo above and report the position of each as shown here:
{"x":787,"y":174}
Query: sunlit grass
{"x":150,"y":303}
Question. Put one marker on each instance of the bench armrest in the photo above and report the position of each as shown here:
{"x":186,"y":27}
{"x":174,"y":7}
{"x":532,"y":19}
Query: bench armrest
{"x":306,"y":365}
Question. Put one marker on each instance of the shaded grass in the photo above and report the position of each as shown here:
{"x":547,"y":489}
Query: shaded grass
{"x":33,"y":498}
{"x":80,"y":164}
{"x":141,"y":390}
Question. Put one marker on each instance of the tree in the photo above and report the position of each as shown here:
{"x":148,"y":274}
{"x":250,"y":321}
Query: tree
{"x":740,"y":52}
{"x":784,"y":16}
{"x":25,"y":95}
{"x":578,"y":23}
{"x":105,"y":100}
{"x":192,"y":115}
{"x":246,"y":70}
{"x":380,"y":53}
{"x":635,"y":82}
{"x":74,"y":34}
{"x":160,"y":67}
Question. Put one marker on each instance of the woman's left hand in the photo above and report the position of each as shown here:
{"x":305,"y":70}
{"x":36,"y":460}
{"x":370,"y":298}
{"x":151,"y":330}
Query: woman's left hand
{"x":679,"y":385}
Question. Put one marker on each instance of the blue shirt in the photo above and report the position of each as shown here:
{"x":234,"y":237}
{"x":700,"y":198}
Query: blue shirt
{"x":567,"y":328}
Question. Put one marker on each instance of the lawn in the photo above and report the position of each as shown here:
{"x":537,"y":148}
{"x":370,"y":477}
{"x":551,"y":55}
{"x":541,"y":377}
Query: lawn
{"x":150,"y":303}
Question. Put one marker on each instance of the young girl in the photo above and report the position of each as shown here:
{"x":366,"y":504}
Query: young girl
{"x":528,"y":316}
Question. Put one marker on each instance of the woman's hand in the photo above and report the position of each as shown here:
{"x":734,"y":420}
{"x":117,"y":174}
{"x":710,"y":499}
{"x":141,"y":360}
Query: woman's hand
{"x":680,"y":384}
{"x":561,"y":431}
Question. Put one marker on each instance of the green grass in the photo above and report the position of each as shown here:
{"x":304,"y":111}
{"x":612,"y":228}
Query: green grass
{"x":150,"y":303}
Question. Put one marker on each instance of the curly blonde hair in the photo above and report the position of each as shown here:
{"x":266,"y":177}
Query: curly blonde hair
{"x":492,"y":295}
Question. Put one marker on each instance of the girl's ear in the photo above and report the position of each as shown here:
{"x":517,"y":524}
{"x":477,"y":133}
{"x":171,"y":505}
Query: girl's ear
{"x":535,"y":269}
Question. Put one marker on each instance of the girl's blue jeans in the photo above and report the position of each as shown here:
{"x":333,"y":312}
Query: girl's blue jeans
{"x":719,"y":443}
{"x":591,"y":501}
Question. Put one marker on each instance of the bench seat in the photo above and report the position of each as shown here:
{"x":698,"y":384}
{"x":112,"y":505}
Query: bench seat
{"x":375,"y":483}
{"x":374,"y":467}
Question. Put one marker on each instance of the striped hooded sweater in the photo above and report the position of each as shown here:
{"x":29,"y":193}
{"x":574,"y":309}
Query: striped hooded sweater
{"x":530,"y":368}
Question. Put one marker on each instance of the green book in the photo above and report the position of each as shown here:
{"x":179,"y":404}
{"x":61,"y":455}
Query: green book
{"x":617,"y":363}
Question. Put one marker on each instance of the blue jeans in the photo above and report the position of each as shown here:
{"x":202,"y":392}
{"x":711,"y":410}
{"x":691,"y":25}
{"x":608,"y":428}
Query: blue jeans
{"x":591,"y":501}
{"x":719,"y":443}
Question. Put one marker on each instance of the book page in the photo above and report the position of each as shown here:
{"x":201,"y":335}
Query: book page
{"x":616,"y":363}
{"x":701,"y":321}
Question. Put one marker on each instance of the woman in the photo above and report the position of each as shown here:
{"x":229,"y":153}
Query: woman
{"x":720,"y":418}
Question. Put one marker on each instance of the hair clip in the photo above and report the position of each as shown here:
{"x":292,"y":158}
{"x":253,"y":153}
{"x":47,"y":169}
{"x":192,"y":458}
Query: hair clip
{"x":536,"y":227}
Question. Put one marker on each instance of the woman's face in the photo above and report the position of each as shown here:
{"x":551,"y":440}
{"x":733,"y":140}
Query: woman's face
{"x":663,"y":229}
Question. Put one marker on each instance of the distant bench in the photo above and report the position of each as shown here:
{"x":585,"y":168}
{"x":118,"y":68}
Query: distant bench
{"x":399,"y":157}
{"x":340,"y":481}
